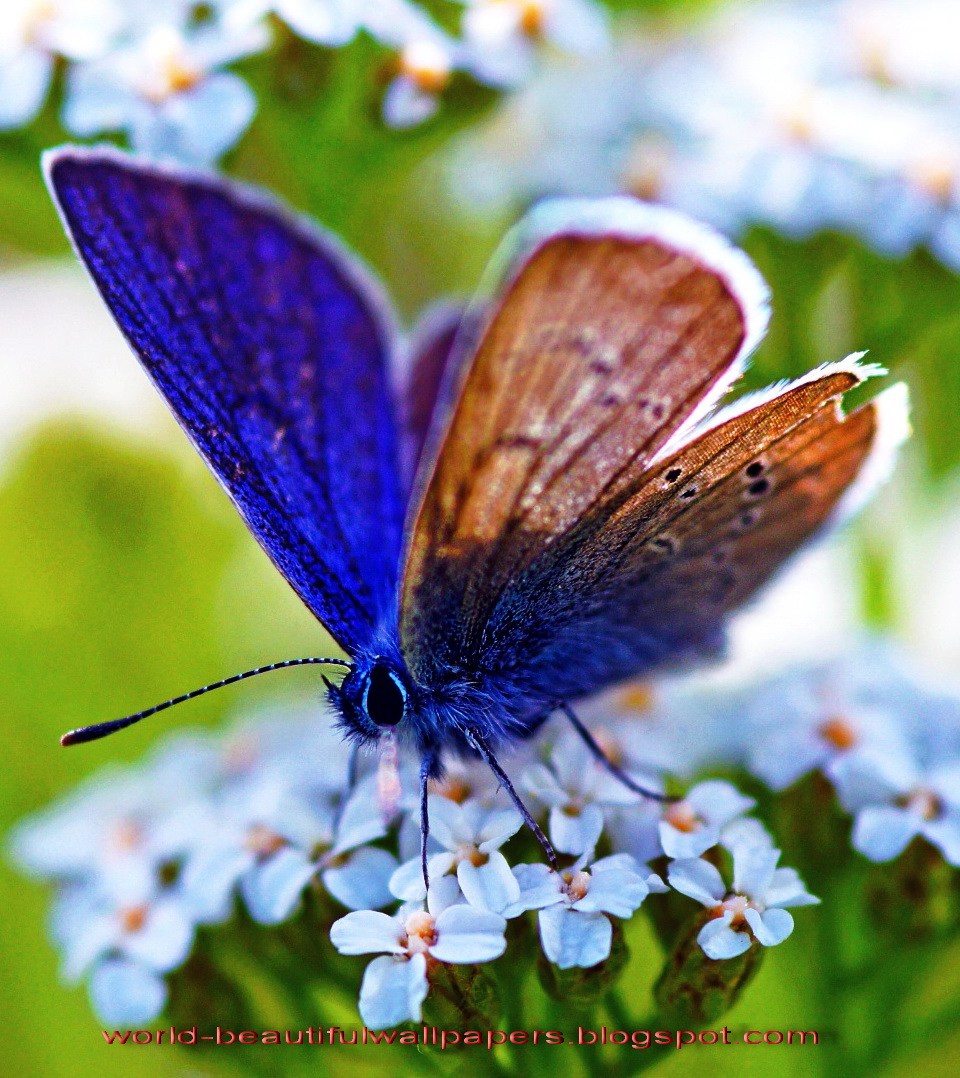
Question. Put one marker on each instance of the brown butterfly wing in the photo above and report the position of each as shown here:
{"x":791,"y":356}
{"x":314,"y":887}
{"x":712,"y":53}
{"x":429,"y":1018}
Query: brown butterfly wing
{"x":655,"y":580}
{"x":604,"y":344}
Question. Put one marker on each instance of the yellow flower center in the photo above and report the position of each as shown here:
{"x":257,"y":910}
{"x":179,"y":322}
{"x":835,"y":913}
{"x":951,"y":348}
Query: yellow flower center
{"x":681,"y":816}
{"x":263,"y":841}
{"x":134,"y":918}
{"x":576,"y":884}
{"x":421,"y":932}
{"x":427,"y":65}
{"x":839,"y":733}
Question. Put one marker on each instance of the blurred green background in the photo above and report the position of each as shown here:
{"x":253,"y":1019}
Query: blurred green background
{"x":126,"y":578}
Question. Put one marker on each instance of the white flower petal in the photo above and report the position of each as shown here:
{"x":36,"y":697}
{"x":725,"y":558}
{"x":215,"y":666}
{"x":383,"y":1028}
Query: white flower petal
{"x":698,"y":879}
{"x":616,"y":891}
{"x":753,"y":869}
{"x":393,"y":990}
{"x":124,"y":993}
{"x":944,"y":833}
{"x":208,"y":881}
{"x":718,"y":802}
{"x":272,"y":888}
{"x":444,"y":892}
{"x":491,"y":886}
{"x":747,"y":830}
{"x":465,"y":934}
{"x":360,"y":821}
{"x":770,"y":927}
{"x":540,"y":781}
{"x":365,"y":932}
{"x":718,"y":940}
{"x":685,"y":844}
{"x":407,"y":881}
{"x":406,"y":105}
{"x":361,"y":880}
{"x":882,"y":832}
{"x":786,"y":889}
{"x":497,"y":827}
{"x":24,"y":81}
{"x":571,"y":938}
{"x":576,"y":833}
{"x":88,"y":941}
{"x":539,"y":886}
{"x":327,"y":22}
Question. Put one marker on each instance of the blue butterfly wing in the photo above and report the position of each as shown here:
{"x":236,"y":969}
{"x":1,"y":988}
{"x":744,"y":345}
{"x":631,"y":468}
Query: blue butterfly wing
{"x":272,"y":350}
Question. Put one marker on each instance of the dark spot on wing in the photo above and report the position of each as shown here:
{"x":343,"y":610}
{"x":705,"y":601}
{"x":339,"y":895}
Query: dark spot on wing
{"x":673,"y":475}
{"x":754,"y":469}
{"x":758,"y":487}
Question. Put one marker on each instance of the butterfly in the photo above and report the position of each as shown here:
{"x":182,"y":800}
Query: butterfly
{"x":545,"y":502}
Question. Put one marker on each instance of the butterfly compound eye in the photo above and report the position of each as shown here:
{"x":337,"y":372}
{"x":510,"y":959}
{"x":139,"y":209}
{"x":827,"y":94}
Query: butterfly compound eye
{"x":385,"y":697}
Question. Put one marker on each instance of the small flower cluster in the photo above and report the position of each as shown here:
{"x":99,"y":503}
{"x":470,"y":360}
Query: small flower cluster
{"x":803,"y":116}
{"x":157,"y":71}
{"x":275,"y":811}
{"x":145,"y":858}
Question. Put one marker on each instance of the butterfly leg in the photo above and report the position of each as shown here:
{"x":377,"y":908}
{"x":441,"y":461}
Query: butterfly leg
{"x":590,"y":741}
{"x":475,"y":738}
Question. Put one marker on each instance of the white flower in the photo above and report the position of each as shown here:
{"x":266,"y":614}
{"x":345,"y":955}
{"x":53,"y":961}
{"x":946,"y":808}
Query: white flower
{"x":690,"y":827}
{"x":810,"y":718}
{"x":577,"y":789}
{"x":894,"y":799}
{"x":155,"y":931}
{"x":271,"y":840}
{"x":574,"y":927}
{"x":798,"y":116}
{"x":164,"y":88}
{"x":413,"y":96}
{"x":501,"y":37}
{"x":471,"y":836}
{"x":396,"y":985}
{"x":753,"y":909}
{"x":116,"y":832}
{"x":32,"y":34}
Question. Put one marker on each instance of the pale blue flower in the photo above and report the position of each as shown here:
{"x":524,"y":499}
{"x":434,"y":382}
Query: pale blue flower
{"x":577,"y":789}
{"x":693,"y":825}
{"x":573,"y":905}
{"x":896,"y":797}
{"x":33,"y":33}
{"x":470,"y":836}
{"x":166,"y":90}
{"x":395,"y":986}
{"x":501,"y":37}
{"x":752,"y":910}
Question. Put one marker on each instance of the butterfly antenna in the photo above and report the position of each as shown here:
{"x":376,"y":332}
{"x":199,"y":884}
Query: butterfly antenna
{"x":475,"y":739}
{"x":103,"y":729}
{"x":590,"y":741}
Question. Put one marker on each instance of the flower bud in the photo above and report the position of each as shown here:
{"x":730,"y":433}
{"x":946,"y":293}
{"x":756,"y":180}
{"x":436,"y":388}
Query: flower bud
{"x":461,"y":997}
{"x":694,"y":990}
{"x":913,"y":897}
{"x":582,"y":987}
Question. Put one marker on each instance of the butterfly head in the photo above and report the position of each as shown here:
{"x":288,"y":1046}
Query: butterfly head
{"x":372,"y":699}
